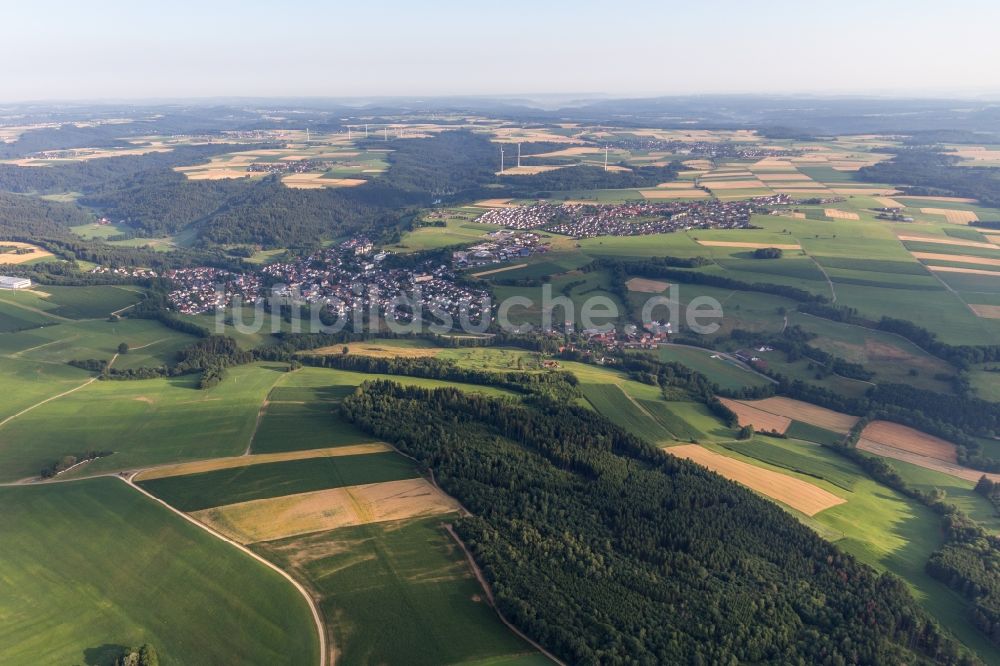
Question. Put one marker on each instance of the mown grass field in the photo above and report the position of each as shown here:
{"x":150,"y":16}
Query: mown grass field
{"x":890,"y":357}
{"x":14,"y":318}
{"x":797,"y":458}
{"x":151,"y":343}
{"x":26,"y":383}
{"x":144,"y":422}
{"x":93,"y":565}
{"x":878,"y":526}
{"x":812,"y":433}
{"x":291,"y":427}
{"x":611,"y":401}
{"x":727,"y":374}
{"x":399,"y":593}
{"x":192,"y":492}
{"x":74,"y":302}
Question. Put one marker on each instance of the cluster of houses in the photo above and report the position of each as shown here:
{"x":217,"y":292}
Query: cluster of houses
{"x":630,"y":337}
{"x":350,"y":278}
{"x":636,"y":218}
{"x":534,"y":216}
{"x":289,"y":166}
{"x":203,"y":289}
{"x":125,"y":271}
{"x":702,"y":149}
{"x":501,"y":245}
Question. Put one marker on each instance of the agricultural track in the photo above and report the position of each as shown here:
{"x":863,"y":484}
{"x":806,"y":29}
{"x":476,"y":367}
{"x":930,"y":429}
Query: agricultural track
{"x":324,"y":659}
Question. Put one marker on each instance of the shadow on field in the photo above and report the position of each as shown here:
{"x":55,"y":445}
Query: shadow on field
{"x":104,"y":655}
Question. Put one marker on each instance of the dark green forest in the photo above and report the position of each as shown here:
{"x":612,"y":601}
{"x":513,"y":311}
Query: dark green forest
{"x":605,"y":550}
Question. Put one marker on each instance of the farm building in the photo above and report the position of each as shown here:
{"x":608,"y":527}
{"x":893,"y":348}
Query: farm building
{"x":14,"y":282}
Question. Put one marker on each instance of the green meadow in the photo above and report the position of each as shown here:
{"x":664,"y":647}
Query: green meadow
{"x":876,"y":524}
{"x":74,"y":302}
{"x":90,"y":567}
{"x":144,"y":422}
{"x":399,"y":593}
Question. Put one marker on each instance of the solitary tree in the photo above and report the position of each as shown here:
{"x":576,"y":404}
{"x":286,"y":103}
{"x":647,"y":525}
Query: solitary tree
{"x":123,"y":348}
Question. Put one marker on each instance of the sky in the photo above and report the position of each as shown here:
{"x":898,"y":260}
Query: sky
{"x":109,"y":49}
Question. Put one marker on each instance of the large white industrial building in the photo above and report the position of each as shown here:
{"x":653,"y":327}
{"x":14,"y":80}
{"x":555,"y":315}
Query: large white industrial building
{"x":14,"y":282}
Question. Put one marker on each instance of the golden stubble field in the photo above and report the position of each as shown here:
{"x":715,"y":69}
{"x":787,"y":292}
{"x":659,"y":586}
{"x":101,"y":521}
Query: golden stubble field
{"x":796,"y":493}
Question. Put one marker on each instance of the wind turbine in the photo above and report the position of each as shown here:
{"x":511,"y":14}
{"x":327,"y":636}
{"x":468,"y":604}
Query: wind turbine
{"x":518,"y":155}
{"x":366,"y":130}
{"x":501,"y":160}
{"x":606,"y":147}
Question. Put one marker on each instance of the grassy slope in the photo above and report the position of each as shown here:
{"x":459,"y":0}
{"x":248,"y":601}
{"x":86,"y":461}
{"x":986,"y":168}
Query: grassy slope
{"x":93,"y":564}
{"x":398,"y":593}
{"x":144,"y":422}
{"x":884,"y":529}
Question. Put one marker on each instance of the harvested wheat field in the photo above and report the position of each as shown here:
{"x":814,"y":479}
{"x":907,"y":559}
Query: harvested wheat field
{"x":865,"y":191}
{"x":664,"y":193}
{"x":926,"y":462}
{"x":951,"y":215}
{"x":279,"y":517}
{"x":771,"y":163}
{"x":986,"y":311}
{"x":754,"y":246}
{"x":806,"y":412}
{"x":760,"y":420}
{"x":644,"y":286}
{"x":886,"y":202}
{"x":214,"y":464}
{"x":530,"y":170}
{"x":722,"y":173}
{"x":907,"y":439}
{"x":977,"y":154}
{"x":948,"y":240}
{"x":15,"y":258}
{"x":313,"y":181}
{"x":796,"y":493}
{"x":960,"y":258}
{"x":967,"y":271}
{"x":575,"y":151}
{"x":784,"y":176}
{"x":733,"y":184}
{"x":835,"y":214}
{"x":698,"y":164}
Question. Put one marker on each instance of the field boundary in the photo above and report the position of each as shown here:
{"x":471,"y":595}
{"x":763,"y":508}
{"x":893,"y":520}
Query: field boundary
{"x":489,"y":596}
{"x":324,"y":660}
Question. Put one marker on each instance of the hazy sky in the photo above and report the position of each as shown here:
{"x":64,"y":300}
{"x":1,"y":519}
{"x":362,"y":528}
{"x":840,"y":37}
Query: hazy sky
{"x":62,"y":49}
